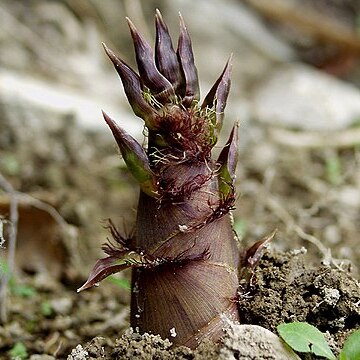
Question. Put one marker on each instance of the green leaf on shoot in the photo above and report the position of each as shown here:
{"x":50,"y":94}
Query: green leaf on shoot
{"x":46,"y":309}
{"x":351,"y":349}
{"x":120,"y":282}
{"x":22,"y":290}
{"x":333,"y":170}
{"x":303,"y":337}
{"x":18,"y":351}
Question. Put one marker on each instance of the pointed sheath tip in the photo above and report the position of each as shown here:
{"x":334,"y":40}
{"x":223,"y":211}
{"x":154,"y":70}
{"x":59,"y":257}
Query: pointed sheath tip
{"x":112,"y":56}
{"x":219,"y":91}
{"x":227,"y":68}
{"x":228,"y":65}
{"x":106,"y":116}
{"x":85,"y":287}
{"x":228,"y":156}
{"x":233,"y":138}
{"x":229,"y":62}
{"x":225,"y":75}
{"x":135,"y":158}
{"x":118,"y":133}
{"x":235,"y":128}
{"x":253,"y":255}
{"x":183,"y":27}
{"x":105,"y":47}
{"x":158,"y":14}
{"x":108,"y":51}
{"x":111,"y":123}
{"x":182,"y":22}
{"x":132,"y":27}
{"x":159,"y":21}
{"x":233,"y":142}
{"x":81,"y":288}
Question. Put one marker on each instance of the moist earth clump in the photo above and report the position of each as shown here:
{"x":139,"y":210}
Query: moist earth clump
{"x":284,"y":289}
{"x":287,"y":289}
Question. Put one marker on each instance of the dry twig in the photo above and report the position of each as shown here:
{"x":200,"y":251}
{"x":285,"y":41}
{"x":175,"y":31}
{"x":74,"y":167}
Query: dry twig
{"x":2,"y":239}
{"x":15,"y":198}
{"x":272,"y":203}
{"x":48,"y":52}
{"x":316,"y":139}
{"x":313,"y":23}
{"x":14,"y":216}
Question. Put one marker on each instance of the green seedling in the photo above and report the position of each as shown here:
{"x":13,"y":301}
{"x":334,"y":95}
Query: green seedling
{"x":351,"y":349}
{"x":306,"y":338}
{"x":22,"y":290}
{"x":333,"y":170}
{"x":18,"y":352}
{"x":10,"y":164}
{"x":17,"y":289}
{"x":46,"y":309}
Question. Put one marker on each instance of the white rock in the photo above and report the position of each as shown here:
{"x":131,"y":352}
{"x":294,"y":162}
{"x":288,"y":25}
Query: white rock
{"x":29,"y":91}
{"x":253,"y":342}
{"x":297,"y":96}
{"x":349,"y":196}
{"x":332,"y":234}
{"x":331,"y":296}
{"x":78,"y":354}
{"x":62,"y":305}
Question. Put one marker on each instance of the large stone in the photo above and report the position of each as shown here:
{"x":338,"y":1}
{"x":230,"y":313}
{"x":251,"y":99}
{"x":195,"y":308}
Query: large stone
{"x":299,"y":97}
{"x":244,"y":342}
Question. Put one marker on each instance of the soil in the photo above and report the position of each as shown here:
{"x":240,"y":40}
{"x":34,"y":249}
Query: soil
{"x":286,"y":290}
{"x":50,"y":320}
{"x":61,"y":229}
{"x":70,"y":180}
{"x":55,"y":320}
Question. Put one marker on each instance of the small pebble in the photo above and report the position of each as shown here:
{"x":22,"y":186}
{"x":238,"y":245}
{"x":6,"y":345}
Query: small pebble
{"x":62,"y":305}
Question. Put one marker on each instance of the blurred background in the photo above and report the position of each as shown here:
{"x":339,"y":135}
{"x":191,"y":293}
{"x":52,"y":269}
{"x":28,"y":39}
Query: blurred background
{"x":295,"y":92}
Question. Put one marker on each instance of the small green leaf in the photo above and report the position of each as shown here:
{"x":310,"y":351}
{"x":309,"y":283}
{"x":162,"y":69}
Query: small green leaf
{"x":46,"y":309}
{"x":24,"y":291}
{"x":351,"y":349}
{"x":4,"y":268}
{"x":227,"y":161}
{"x":16,"y":289}
{"x":18,"y":351}
{"x":10,"y":164}
{"x":303,"y":337}
{"x":333,"y":170}
{"x":120,"y":282}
